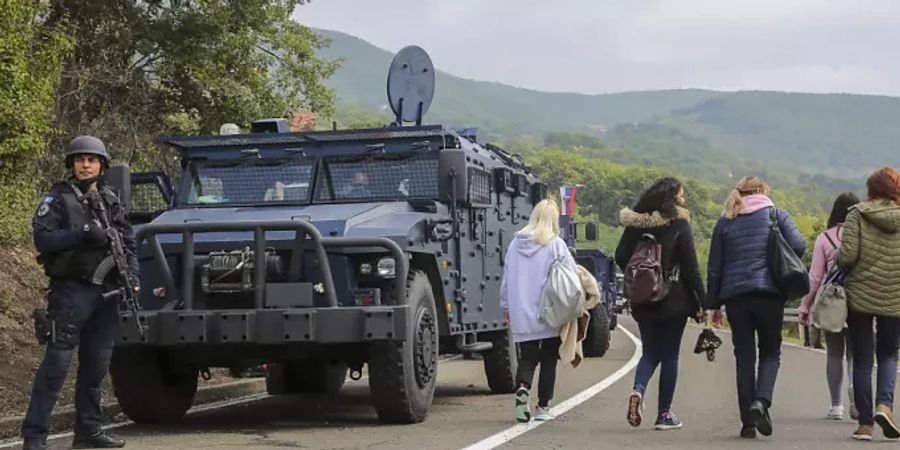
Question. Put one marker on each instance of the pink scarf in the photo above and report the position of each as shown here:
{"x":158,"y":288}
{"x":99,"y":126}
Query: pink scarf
{"x":755,"y":202}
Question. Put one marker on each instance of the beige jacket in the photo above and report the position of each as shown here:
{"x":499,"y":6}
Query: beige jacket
{"x":574,"y":332}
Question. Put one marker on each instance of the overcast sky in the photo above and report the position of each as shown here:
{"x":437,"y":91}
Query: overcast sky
{"x":596,"y":46}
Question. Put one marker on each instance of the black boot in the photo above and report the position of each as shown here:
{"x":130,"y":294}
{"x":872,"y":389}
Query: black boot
{"x":748,"y":432}
{"x":34,"y":444}
{"x":759,"y":414}
{"x":99,"y":440}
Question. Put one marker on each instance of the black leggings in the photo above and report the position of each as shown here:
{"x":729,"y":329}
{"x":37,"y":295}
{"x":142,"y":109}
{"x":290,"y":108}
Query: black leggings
{"x":546,"y":353}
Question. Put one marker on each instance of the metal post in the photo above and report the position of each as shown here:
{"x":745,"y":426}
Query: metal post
{"x":160,"y":256}
{"x":259,"y":256}
{"x":187,"y":269}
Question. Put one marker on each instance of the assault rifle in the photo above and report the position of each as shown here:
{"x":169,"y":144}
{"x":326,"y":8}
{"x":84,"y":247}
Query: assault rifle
{"x":125,"y":293}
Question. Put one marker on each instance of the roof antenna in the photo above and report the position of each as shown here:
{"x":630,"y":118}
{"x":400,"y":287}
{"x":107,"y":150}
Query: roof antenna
{"x":410,"y":85}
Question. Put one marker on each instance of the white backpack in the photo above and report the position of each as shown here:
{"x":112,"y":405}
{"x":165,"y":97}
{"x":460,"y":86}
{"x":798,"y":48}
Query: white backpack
{"x":561,"y":294}
{"x":829,"y":311}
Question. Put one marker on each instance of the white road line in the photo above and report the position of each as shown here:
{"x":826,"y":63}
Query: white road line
{"x":515,"y":431}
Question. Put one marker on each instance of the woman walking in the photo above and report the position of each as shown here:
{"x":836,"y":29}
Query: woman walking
{"x":837,"y":344}
{"x":659,"y":213}
{"x":740,"y":280}
{"x":527,"y":265}
{"x":870,"y":254}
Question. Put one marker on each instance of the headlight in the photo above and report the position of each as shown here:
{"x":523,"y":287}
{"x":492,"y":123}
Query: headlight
{"x":365,"y":268}
{"x":386,"y":268}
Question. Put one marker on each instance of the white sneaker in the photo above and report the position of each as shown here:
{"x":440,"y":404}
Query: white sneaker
{"x":836,"y":412}
{"x":543,"y":414}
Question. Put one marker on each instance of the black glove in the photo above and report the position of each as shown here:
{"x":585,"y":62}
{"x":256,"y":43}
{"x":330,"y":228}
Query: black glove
{"x":94,"y":235}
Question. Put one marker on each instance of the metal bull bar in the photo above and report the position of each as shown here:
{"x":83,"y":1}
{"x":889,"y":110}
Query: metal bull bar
{"x":150,"y":232}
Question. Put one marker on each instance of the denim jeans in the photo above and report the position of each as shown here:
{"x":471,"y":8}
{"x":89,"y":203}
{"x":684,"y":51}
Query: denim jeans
{"x":750,"y":318}
{"x":661,"y":342}
{"x":866,"y":348}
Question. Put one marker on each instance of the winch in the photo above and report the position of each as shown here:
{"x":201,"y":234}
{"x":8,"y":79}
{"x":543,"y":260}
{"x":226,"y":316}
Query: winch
{"x":233,"y":271}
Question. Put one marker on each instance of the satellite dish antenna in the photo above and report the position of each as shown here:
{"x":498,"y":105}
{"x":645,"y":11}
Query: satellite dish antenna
{"x":410,"y":84}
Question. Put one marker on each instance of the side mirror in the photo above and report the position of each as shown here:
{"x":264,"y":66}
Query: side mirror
{"x":452,"y":175}
{"x":119,"y":177}
{"x":590,"y":232}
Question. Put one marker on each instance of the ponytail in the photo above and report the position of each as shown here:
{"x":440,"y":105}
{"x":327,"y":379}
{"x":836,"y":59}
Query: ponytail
{"x":733,"y":204}
{"x":747,"y":186}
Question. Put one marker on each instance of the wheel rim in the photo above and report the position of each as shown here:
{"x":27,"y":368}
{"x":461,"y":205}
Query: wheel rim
{"x":425,"y":353}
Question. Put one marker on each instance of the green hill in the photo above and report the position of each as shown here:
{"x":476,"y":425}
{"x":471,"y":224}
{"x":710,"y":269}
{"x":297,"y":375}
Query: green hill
{"x":799,"y":139}
{"x":497,"y":108}
{"x":838,"y":135}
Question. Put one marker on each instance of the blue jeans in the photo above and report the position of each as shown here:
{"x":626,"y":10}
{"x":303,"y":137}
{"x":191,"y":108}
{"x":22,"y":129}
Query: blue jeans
{"x":661,"y":342}
{"x":864,"y":351}
{"x":84,"y":320}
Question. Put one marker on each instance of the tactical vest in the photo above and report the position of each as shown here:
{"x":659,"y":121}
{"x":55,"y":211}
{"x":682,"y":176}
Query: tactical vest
{"x":76,"y":263}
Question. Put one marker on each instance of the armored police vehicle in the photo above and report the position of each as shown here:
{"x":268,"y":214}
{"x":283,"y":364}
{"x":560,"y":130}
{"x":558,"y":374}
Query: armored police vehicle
{"x":319,"y":253}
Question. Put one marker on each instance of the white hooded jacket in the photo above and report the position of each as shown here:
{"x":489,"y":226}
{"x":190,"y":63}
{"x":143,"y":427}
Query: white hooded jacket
{"x":526,"y":268}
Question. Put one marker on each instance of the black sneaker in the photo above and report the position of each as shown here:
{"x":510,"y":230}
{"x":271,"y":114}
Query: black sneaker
{"x":759,"y":414}
{"x":99,"y":440}
{"x":667,"y":421}
{"x":748,"y":432}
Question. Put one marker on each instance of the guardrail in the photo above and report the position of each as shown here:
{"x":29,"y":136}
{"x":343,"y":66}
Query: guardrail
{"x":792,"y":315}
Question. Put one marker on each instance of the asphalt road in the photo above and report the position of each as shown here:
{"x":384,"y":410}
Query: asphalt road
{"x":465,"y":415}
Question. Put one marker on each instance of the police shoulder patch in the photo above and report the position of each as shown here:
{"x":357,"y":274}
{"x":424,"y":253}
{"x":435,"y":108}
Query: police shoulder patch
{"x":43,"y":209}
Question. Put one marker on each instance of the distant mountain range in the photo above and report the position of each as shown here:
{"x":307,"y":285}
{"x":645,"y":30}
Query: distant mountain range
{"x":834,"y":135}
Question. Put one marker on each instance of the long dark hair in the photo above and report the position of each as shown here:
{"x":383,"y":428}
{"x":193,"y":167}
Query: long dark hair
{"x":660,"y":197}
{"x":841,"y":207}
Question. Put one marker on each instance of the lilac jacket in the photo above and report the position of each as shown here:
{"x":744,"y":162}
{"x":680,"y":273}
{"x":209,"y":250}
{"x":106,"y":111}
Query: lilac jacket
{"x":822,"y":261}
{"x":526,"y":268}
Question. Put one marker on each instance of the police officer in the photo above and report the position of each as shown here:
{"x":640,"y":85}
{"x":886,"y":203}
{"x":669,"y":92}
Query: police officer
{"x":71,"y":244}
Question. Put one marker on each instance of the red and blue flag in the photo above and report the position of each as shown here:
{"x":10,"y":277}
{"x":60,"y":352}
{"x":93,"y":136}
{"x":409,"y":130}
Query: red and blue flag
{"x":567,"y":203}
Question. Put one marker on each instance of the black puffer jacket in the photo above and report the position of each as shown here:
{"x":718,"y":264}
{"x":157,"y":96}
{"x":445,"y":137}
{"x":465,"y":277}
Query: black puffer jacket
{"x":685,"y":296}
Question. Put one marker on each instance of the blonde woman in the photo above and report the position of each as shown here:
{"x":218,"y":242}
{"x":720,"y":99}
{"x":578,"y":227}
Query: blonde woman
{"x":527,"y":265}
{"x":739,"y":279}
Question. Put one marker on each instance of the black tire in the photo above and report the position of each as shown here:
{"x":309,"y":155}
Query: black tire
{"x":501,"y":363}
{"x":403,"y":374}
{"x":148,"y":392}
{"x":306,"y":377}
{"x":596,"y":343}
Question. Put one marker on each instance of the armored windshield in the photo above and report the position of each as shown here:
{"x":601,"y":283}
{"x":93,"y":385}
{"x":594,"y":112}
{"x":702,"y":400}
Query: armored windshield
{"x":338,"y":179}
{"x":385,"y":177}
{"x":250,"y":182}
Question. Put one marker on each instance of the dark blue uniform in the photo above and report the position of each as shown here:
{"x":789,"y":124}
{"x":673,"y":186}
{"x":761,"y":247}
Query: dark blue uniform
{"x":81,"y":317}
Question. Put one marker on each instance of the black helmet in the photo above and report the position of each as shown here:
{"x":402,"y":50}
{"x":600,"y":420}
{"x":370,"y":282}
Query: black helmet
{"x":87,"y":145}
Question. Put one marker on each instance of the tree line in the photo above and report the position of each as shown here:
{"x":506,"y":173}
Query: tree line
{"x":129,"y":71}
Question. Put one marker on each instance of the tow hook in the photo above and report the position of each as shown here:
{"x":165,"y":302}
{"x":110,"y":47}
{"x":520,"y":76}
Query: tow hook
{"x":356,"y":371}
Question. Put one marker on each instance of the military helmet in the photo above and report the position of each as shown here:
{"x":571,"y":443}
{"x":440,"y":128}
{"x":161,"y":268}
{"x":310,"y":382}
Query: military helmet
{"x":87,"y":145}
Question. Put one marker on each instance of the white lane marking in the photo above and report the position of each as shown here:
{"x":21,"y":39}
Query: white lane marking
{"x":517,"y":430}
{"x":196,"y":409}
